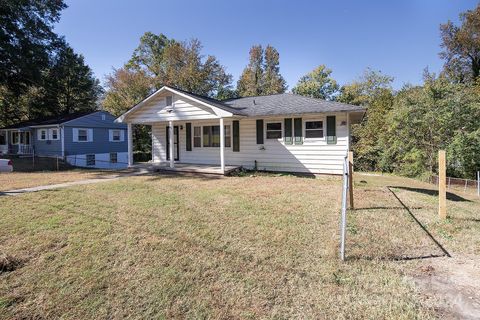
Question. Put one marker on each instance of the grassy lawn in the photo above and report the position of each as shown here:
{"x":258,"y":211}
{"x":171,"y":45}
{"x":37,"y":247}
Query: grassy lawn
{"x":241,"y":247}
{"x":45,"y":172}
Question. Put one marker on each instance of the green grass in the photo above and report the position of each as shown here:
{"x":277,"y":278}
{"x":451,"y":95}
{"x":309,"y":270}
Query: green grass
{"x":239,"y":247}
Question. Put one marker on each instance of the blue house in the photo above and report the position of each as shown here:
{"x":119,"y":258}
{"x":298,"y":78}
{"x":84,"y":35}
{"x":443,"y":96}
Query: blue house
{"x":90,"y":139}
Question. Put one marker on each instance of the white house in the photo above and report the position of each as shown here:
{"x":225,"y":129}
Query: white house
{"x":282,"y":132}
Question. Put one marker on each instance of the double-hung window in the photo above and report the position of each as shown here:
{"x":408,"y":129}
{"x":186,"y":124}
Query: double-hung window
{"x":313,"y":129}
{"x":3,"y":138}
{"x":116,"y":135}
{"x":211,"y":136}
{"x":274,"y":130}
{"x":54,"y":134}
{"x":82,"y":135}
{"x":42,"y":134}
{"x":197,"y":137}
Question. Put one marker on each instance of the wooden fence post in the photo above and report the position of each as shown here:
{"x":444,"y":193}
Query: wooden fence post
{"x":350,"y":178}
{"x":442,"y":192}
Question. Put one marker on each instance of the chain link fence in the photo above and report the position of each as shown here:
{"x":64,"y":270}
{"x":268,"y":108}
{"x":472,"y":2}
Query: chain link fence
{"x":467,"y":186}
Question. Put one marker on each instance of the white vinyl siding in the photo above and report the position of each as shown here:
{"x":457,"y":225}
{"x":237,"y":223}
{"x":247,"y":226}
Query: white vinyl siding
{"x":82,"y":135}
{"x":316,"y":156}
{"x":116,"y":135}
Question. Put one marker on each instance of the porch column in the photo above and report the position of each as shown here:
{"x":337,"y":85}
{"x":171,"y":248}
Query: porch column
{"x":222,"y":146}
{"x":170,"y":142}
{"x":130,"y":144}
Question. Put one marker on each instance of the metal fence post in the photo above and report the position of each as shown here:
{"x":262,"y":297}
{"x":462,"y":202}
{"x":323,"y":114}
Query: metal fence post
{"x":344,"y":209}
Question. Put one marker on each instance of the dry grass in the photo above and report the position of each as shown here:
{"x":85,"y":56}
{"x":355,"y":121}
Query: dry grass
{"x":240,"y":247}
{"x":20,"y":180}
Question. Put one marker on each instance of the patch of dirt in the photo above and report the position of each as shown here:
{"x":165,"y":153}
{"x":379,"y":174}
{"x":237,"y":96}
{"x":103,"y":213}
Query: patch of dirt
{"x":9,"y":263}
{"x":451,"y":286}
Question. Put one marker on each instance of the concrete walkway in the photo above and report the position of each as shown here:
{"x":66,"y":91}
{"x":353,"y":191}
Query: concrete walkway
{"x":17,"y":192}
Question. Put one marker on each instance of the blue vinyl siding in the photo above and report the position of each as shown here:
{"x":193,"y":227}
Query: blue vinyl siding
{"x":100,"y":143}
{"x":46,"y":147}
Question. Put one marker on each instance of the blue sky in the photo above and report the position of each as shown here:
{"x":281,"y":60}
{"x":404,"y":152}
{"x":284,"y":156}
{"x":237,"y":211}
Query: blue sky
{"x":400,"y":38}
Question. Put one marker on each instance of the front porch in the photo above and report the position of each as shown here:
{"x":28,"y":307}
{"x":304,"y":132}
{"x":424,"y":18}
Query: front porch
{"x":186,"y":168}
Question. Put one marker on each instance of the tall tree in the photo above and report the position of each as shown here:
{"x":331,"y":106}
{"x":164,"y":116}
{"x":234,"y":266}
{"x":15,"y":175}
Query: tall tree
{"x":70,"y":84}
{"x":180,"y":64}
{"x":461,"y":47}
{"x":372,"y":90}
{"x":273,"y":81}
{"x":251,"y":80}
{"x":317,"y":84}
{"x":26,"y":43}
{"x":262,"y":74}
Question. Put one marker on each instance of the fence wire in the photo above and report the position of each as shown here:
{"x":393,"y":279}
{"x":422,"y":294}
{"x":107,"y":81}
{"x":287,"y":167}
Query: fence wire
{"x":467,"y":186}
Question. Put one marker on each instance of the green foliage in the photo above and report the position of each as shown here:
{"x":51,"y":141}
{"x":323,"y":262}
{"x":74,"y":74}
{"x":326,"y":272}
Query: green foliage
{"x":461,"y":46}
{"x":262,"y":74}
{"x":317,"y":84}
{"x":40,"y":74}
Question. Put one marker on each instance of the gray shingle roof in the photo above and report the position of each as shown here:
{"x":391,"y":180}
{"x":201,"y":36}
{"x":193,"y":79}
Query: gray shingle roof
{"x":287,"y":103}
{"x":49,"y":120}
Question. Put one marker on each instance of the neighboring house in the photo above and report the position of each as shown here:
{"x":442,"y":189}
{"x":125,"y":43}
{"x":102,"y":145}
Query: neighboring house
{"x":283,"y":132}
{"x":83,"y":139}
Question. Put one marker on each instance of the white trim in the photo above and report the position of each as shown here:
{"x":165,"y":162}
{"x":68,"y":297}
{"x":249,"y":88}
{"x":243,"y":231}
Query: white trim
{"x":44,"y":126}
{"x":121,"y":135}
{"x":130,"y":144}
{"x":62,"y":137}
{"x":39,"y":134}
{"x":89,"y":135}
{"x":219,"y":112}
{"x":281,"y":130}
{"x":222,"y":146}
{"x":324,"y":129}
{"x":50,"y":134}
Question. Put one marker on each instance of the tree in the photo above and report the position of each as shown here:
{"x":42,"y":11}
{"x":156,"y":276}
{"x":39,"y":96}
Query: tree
{"x":262,"y":74}
{"x":179,"y":64}
{"x":273,"y":81}
{"x":461,"y":46}
{"x":251,"y":80}
{"x":70,"y":84}
{"x":26,"y":44}
{"x":373,"y":90}
{"x":317,"y":84}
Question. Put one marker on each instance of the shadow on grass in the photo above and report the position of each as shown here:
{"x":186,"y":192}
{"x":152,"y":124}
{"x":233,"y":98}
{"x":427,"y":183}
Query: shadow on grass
{"x":421,"y":226}
{"x":385,"y":208}
{"x":430,"y":192}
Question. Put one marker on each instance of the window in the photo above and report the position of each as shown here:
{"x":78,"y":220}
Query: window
{"x":3,"y":138}
{"x":197,"y":137}
{"x":113,"y":157}
{"x":103,"y":117}
{"x":228,"y":136}
{"x":90,"y":159}
{"x":14,"y":137}
{"x":274,"y":130}
{"x":83,"y":135}
{"x":115,"y":135}
{"x":25,"y":137}
{"x":54,"y":134}
{"x":211,"y":136}
{"x":42,"y":134}
{"x":169,"y":101}
{"x":313,"y":129}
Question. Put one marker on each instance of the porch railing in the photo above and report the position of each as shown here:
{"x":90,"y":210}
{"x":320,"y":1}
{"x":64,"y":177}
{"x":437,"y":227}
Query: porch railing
{"x":25,"y":149}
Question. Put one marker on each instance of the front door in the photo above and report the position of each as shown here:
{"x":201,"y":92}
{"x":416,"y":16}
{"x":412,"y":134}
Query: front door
{"x":176,"y":147}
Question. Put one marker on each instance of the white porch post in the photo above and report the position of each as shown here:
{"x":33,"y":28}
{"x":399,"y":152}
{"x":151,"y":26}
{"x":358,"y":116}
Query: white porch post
{"x":170,"y":142}
{"x":130,"y":144}
{"x":222,"y":146}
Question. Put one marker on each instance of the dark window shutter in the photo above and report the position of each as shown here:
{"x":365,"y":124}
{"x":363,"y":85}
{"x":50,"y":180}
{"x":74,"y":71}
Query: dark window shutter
{"x":259,"y":131}
{"x":236,"y":135}
{"x":288,"y":131}
{"x":331,"y":129}
{"x":298,"y":131}
{"x":188,"y":131}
